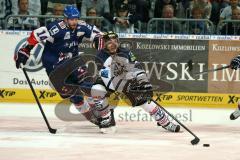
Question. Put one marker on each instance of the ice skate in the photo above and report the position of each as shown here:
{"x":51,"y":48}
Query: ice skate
{"x":171,"y":127}
{"x":107,"y":124}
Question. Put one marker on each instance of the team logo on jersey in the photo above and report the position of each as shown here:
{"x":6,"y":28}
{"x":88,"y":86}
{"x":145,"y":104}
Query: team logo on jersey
{"x":34,"y":62}
{"x":54,"y":30}
{"x":104,"y":73}
{"x":80,"y":34}
{"x":132,"y":56}
{"x":67,"y":35}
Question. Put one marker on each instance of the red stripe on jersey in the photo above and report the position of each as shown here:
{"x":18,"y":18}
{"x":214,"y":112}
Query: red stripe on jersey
{"x":32,"y":40}
{"x":101,"y":43}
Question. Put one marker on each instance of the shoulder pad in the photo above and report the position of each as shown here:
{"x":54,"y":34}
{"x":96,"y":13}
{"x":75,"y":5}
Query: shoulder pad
{"x":125,"y":50}
{"x":54,"y":27}
{"x":62,"y":25}
{"x":131,"y":56}
{"x":83,"y":23}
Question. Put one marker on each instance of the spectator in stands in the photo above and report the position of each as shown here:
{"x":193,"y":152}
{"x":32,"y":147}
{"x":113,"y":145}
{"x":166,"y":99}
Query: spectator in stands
{"x":232,"y":28}
{"x":205,"y":5}
{"x":5,"y":10}
{"x":186,"y":6}
{"x":44,"y":4}
{"x":198,"y":27}
{"x":217,"y":7}
{"x":123,"y":25}
{"x":168,"y":26}
{"x":183,"y":8}
{"x":92,"y":12}
{"x":139,"y":10}
{"x":111,"y":6}
{"x":34,"y":7}
{"x":227,"y":11}
{"x":123,"y":20}
{"x":57,"y":11}
{"x":20,"y":23}
{"x":102,"y":6}
{"x":159,"y":5}
{"x":52,"y":3}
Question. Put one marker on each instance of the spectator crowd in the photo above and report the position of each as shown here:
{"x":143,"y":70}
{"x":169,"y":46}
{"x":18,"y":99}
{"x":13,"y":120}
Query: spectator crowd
{"x":130,"y":16}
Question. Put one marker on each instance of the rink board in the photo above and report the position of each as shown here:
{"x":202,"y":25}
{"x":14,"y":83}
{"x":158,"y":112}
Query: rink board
{"x":165,"y":59}
{"x":211,"y":100}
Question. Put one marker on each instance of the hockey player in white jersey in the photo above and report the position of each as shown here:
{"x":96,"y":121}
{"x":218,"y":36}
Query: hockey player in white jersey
{"x":118,"y":72}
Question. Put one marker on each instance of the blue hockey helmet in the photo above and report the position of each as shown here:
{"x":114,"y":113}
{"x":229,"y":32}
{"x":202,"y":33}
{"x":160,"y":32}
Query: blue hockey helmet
{"x":70,"y":12}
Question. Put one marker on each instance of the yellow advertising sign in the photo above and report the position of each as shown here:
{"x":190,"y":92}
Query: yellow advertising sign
{"x":209,"y":100}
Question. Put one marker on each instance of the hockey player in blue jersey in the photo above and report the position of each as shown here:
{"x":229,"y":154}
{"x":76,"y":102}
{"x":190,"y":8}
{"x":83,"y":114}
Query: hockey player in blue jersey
{"x":61,"y":39}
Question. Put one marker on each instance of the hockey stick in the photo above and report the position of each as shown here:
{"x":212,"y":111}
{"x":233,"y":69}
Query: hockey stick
{"x":212,"y":70}
{"x":51,"y":130}
{"x":195,"y":140}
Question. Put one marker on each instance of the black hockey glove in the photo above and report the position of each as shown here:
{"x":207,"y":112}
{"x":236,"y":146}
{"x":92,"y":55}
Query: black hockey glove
{"x":22,"y":56}
{"x":235,"y":63}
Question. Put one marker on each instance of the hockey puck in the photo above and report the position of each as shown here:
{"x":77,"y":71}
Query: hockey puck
{"x":206,"y":145}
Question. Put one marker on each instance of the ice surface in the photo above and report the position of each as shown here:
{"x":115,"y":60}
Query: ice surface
{"x":23,"y":135}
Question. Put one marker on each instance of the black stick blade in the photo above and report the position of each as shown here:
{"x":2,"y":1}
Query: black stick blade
{"x":195,"y":141}
{"x":53,"y":131}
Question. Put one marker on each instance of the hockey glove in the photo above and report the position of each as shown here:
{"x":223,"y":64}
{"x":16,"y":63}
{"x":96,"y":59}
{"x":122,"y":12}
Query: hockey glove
{"x":22,"y":56}
{"x":235,"y":63}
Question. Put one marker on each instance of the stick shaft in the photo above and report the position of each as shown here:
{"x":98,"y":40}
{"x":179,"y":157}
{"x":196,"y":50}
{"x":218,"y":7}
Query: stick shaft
{"x":36,"y":98}
{"x":212,"y":70}
{"x":174,"y":118}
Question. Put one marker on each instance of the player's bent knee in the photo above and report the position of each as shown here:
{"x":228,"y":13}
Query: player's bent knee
{"x":98,"y":90}
{"x":99,"y":100}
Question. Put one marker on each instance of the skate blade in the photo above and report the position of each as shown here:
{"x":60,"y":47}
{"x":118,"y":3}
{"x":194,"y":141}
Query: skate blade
{"x":110,"y":130}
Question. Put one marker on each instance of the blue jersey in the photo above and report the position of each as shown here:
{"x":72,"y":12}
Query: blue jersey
{"x":61,"y":42}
